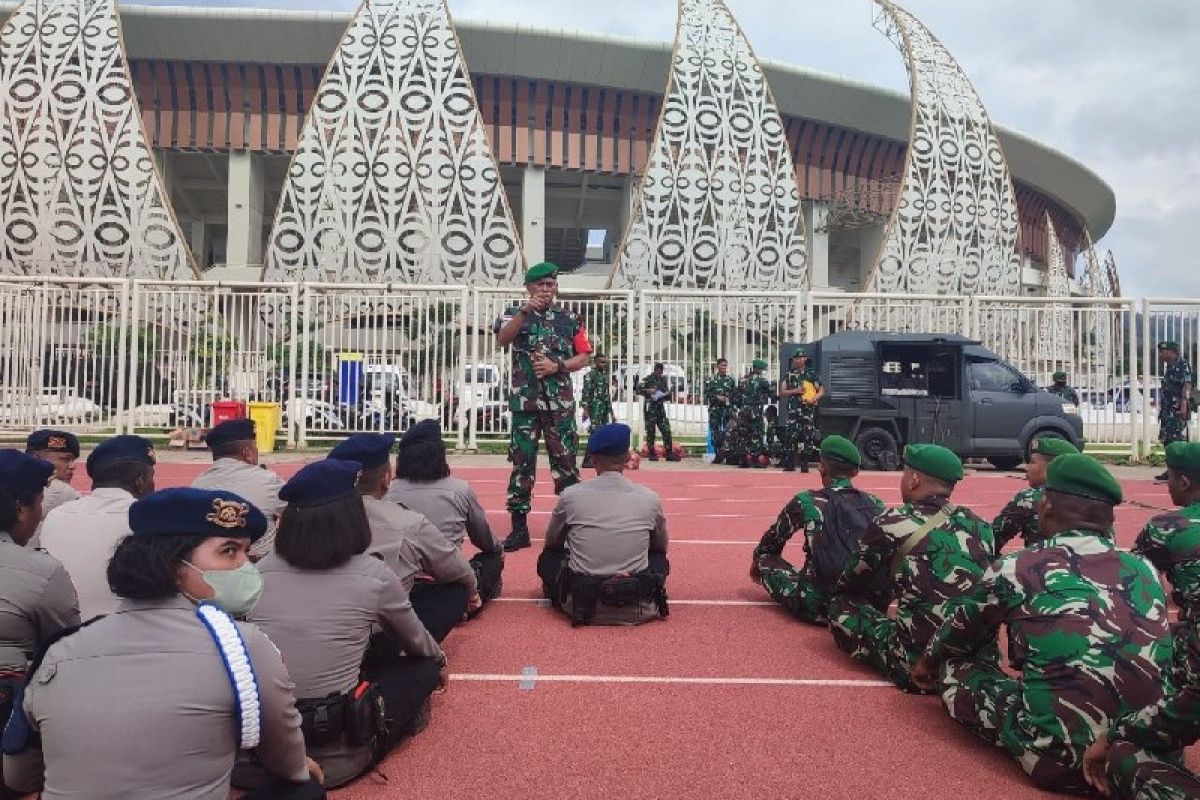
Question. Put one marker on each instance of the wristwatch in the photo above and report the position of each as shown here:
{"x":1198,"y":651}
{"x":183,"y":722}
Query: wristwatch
{"x":562,"y":365}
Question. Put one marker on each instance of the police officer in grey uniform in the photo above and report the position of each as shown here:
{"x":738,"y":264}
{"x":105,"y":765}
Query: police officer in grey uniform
{"x":236,"y":468}
{"x":83,"y":533}
{"x":61,"y":449}
{"x":37,"y":599}
{"x":605,"y":559}
{"x":321,"y":552}
{"x":156,"y":699}
{"x":439,"y":580}
{"x":424,"y":484}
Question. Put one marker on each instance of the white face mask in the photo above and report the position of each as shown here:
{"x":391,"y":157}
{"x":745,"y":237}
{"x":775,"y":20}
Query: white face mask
{"x":235,"y":590}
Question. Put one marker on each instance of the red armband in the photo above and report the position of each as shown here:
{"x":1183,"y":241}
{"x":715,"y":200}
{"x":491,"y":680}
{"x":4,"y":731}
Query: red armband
{"x":581,"y":342}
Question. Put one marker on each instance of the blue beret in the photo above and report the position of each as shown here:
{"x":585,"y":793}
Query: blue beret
{"x":369,"y":449}
{"x":203,"y":512}
{"x":23,"y":476}
{"x":321,"y":482}
{"x":609,"y":440}
{"x":53,"y":442}
{"x":427,"y":430}
{"x":121,"y":448}
{"x":234,"y":430}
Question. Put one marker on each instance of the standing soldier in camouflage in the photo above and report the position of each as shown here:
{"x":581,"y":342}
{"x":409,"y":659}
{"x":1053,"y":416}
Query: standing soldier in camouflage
{"x":805,"y":592}
{"x":802,"y":391}
{"x":719,"y":395}
{"x":1020,"y":516}
{"x":548,"y":344}
{"x":1172,"y":543}
{"x":1086,"y":626}
{"x":1060,"y":388}
{"x":930,"y":551}
{"x":756,"y":393}
{"x":656,"y":389}
{"x":596,"y":398}
{"x":1174,"y":396}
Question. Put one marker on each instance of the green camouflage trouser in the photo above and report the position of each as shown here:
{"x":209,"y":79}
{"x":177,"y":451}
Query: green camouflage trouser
{"x":872,"y":637}
{"x":800,"y":434}
{"x":561,"y":441}
{"x":795,"y":592}
{"x":656,"y":418}
{"x":989,"y":703}
{"x":1135,"y":772}
{"x":1171,"y":427}
{"x":755,"y":433}
{"x":719,"y":418}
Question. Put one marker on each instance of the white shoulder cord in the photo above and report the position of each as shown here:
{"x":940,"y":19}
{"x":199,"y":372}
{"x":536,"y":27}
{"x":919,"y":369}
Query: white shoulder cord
{"x":240,"y":670}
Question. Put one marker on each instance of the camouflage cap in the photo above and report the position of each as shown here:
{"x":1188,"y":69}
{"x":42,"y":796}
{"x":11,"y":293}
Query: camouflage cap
{"x":839,"y":448}
{"x":1169,"y":345}
{"x":1083,"y":476}
{"x":1184,"y":456}
{"x":539,"y":271}
{"x":800,"y":352}
{"x":1054,"y":446}
{"x":1060,"y":376}
{"x":758,"y":363}
{"x":935,"y":461}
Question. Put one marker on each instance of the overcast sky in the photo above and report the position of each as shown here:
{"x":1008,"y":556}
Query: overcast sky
{"x":1112,"y":83}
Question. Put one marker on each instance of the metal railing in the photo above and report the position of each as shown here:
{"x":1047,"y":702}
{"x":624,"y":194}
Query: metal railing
{"x":106,"y":356}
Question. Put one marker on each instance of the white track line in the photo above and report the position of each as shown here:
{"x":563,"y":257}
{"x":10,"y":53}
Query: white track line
{"x":672,"y":602}
{"x":715,"y":681}
{"x":691,"y":541}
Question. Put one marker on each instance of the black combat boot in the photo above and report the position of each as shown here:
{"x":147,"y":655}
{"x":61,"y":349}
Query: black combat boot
{"x":789,"y":463}
{"x":650,"y":454}
{"x":587,"y":462}
{"x":671,"y":455}
{"x":519,"y":538}
{"x":1166,"y":476}
{"x":804,"y":463}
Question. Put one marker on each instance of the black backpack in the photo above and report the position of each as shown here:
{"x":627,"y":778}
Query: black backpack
{"x":848,"y":513}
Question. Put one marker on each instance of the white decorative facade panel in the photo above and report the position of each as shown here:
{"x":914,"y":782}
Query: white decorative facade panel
{"x":955,"y":227}
{"x":718,"y":206}
{"x":393,"y":178}
{"x":79,"y":190}
{"x":1055,"y":330}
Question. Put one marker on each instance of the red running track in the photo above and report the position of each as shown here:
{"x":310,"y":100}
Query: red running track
{"x":729,"y":698}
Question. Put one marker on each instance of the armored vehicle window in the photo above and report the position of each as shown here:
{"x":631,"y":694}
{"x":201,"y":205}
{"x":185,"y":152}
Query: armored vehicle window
{"x":992,"y":376}
{"x":908,"y":370}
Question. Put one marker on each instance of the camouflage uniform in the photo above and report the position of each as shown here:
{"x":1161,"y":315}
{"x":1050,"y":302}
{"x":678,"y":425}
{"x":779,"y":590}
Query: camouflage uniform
{"x":542,"y":407}
{"x":656,"y":410}
{"x":1087,"y":628}
{"x":719,"y":413}
{"x":1172,"y":543}
{"x":799,"y":421}
{"x":798,"y":590}
{"x":1171,"y":425}
{"x":597,"y":398}
{"x":1019,"y":518}
{"x":927,"y":583}
{"x":1065,"y":392}
{"x":756,"y":392}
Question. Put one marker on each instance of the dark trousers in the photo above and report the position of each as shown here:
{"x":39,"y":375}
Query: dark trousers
{"x":550,"y":564}
{"x":405,"y":684}
{"x":276,"y":789}
{"x":488,"y":567}
{"x":440,"y":606}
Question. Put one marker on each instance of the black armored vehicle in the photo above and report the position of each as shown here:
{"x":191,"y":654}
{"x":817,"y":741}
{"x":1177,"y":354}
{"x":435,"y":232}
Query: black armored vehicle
{"x":885,"y":390}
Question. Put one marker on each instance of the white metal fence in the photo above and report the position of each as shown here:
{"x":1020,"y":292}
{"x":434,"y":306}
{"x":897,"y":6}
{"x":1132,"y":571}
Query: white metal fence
{"x":104,"y":356}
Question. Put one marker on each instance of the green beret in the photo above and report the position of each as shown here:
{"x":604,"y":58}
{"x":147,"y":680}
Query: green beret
{"x":539,"y":271}
{"x":758,"y":363}
{"x":1060,"y":376}
{"x":1184,"y":456}
{"x":800,"y":352}
{"x":1169,"y":345}
{"x":935,"y":461}
{"x":1083,"y":476}
{"x":1054,"y":446}
{"x":839,"y":448}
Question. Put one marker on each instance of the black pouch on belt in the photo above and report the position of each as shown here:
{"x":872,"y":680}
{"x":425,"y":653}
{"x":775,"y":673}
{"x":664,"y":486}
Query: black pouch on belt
{"x":323,"y":722}
{"x":622,"y":590}
{"x":365,"y":716}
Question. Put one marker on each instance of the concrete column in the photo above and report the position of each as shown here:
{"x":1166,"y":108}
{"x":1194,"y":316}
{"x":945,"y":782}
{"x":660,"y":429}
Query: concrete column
{"x":245,"y":211}
{"x":200,"y":241}
{"x":871,"y":239}
{"x":533,"y":213}
{"x":816,"y":216}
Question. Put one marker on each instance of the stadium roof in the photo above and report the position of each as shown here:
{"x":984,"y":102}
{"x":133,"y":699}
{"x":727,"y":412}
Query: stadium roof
{"x":269,"y":36}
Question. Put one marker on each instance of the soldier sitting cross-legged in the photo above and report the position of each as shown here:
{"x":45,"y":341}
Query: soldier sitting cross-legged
{"x":929,"y":550}
{"x":1087,"y":630}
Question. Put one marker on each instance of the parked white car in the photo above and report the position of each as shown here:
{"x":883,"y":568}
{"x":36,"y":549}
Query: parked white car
{"x":51,"y":405}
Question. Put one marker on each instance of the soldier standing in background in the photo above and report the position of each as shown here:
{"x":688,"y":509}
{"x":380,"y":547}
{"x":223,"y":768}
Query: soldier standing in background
{"x":1174,"y":396}
{"x":656,"y":389}
{"x":548,"y":343}
{"x":596,"y":398}
{"x":719,"y":395}
{"x":756,"y":392}
{"x":801,"y":391}
{"x":1060,"y":388}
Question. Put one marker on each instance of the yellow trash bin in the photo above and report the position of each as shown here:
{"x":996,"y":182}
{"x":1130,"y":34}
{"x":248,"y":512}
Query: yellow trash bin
{"x":266,"y":423}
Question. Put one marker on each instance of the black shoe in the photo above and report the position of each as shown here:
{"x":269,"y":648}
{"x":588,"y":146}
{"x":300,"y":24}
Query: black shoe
{"x":674,"y":457}
{"x":587,"y":462}
{"x":744,"y":464}
{"x":421,"y":721}
{"x":804,"y":465}
{"x":652,"y":457}
{"x":1163,"y":478}
{"x":519,"y":538}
